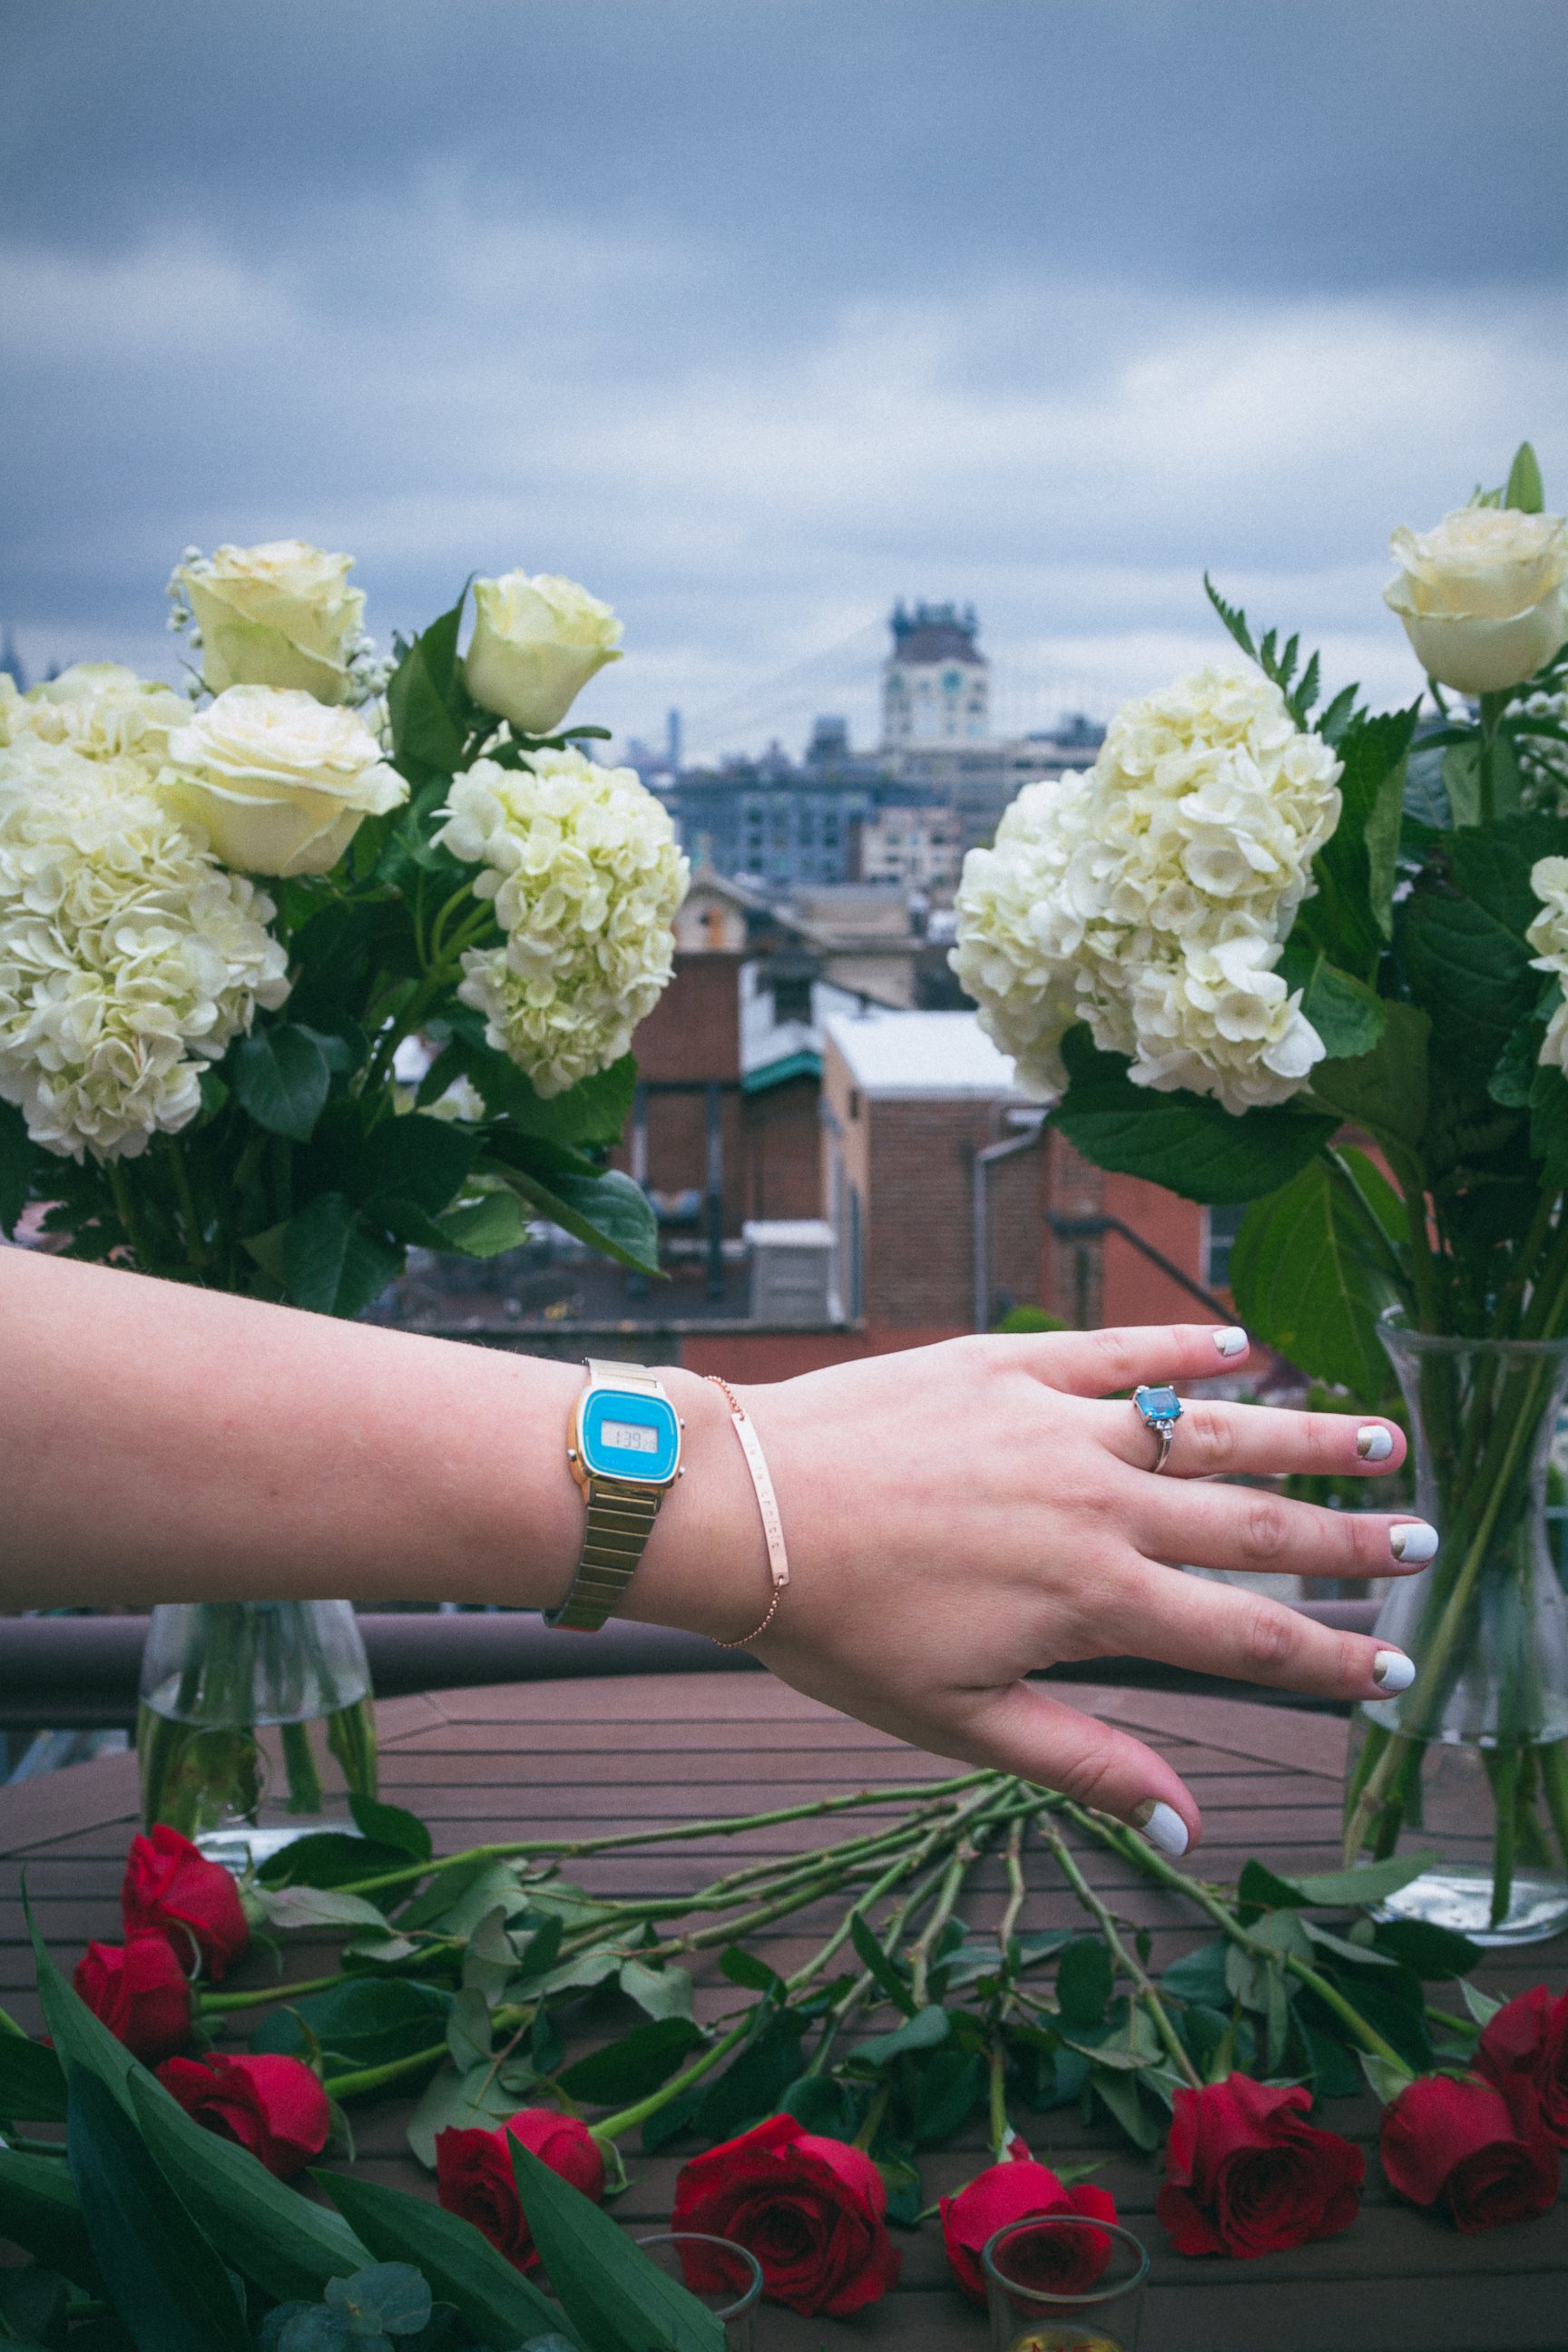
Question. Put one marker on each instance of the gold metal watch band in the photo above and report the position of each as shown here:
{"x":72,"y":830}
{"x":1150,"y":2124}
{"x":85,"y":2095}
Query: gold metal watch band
{"x":620,"y":1520}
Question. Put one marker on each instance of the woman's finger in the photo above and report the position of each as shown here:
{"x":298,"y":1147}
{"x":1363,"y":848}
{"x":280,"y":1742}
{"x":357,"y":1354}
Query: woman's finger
{"x":1250,"y":1529}
{"x":1020,"y":1729}
{"x":1219,"y":1629}
{"x":1215,"y":1440}
{"x":1097,"y":1363}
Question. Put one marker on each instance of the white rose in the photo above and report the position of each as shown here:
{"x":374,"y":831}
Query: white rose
{"x":1482,"y":596}
{"x":536,"y":644}
{"x":277,"y":615}
{"x":278,"y":783}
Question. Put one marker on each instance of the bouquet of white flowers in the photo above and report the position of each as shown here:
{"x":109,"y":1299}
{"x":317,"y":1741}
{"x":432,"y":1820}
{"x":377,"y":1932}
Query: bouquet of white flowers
{"x":218,"y":924}
{"x":1313,"y":960}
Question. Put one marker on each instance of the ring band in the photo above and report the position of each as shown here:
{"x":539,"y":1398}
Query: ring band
{"x":1159,"y":1410}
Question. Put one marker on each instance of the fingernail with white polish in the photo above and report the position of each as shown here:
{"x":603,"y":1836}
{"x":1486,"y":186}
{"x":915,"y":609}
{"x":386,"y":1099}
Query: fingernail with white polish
{"x":1373,"y":1444}
{"x":1230,"y":1341}
{"x":1162,"y":1825}
{"x":1393,"y":1670}
{"x":1413,"y":1539}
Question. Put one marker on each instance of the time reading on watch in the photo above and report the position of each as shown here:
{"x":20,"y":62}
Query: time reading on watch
{"x":632,"y":1436}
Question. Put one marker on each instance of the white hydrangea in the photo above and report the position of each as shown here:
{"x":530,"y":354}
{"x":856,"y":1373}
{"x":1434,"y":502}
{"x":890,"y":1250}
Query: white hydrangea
{"x":582,"y":863}
{"x":1150,"y":897}
{"x":100,"y":709}
{"x":128,"y":957}
{"x":1549,"y":932}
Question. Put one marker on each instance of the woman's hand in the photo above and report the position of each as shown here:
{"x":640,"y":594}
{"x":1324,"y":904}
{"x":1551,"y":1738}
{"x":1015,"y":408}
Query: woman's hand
{"x":958,"y":1517}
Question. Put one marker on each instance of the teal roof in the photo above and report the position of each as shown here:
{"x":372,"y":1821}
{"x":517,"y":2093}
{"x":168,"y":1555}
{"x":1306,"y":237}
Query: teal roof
{"x":804,"y":1065}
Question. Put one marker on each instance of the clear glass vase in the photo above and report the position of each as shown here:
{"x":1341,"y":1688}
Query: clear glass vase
{"x":1469,"y":1764}
{"x":255,"y":1722}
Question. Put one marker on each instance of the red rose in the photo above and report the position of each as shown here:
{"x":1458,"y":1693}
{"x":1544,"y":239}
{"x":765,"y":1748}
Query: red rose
{"x":474,"y":2175}
{"x":1246,"y":2176}
{"x":1482,"y":2150}
{"x":172,"y":1890}
{"x":1068,"y":2261}
{"x":139,"y":1992}
{"x":810,"y":2209}
{"x":274,"y":2106}
{"x":1528,"y":2040}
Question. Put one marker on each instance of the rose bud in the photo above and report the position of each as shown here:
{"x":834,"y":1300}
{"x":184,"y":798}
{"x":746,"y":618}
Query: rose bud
{"x":1245,"y":2175}
{"x":536,"y":644}
{"x":1012,"y":2191}
{"x":139,"y":1992}
{"x":811,"y":2210}
{"x":170,"y":1889}
{"x":474,"y":2176}
{"x":274,"y":2106}
{"x":1480,"y":2151}
{"x":1526,"y":2042}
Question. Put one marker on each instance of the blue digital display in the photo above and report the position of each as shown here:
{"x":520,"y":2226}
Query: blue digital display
{"x":626,"y":1436}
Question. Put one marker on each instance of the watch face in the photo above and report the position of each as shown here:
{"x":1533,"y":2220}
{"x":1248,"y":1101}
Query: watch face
{"x":630,"y":1436}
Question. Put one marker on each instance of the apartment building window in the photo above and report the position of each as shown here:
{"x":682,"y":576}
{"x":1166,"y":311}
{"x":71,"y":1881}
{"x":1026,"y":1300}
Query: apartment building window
{"x":1220,"y":1229}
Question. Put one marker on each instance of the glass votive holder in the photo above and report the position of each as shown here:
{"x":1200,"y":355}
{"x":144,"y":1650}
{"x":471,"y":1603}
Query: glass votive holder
{"x":1062,"y":2283}
{"x":723,"y":2276}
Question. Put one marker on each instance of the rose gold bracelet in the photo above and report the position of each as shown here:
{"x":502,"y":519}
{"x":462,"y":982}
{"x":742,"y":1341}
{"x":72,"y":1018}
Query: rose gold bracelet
{"x":767,"y":1503}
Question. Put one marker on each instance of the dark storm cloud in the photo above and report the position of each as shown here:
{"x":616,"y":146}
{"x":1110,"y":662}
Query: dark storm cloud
{"x":755,"y":314}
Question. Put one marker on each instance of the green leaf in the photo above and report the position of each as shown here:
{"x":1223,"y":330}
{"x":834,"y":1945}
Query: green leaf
{"x":1374,"y":1882}
{"x":280,"y":1077}
{"x":328,"y":1858}
{"x":1183,"y":1141}
{"x":1436,"y":1954}
{"x":1084,"y":1980}
{"x":589,"y":1115}
{"x":629,"y":2068}
{"x":743,"y":1968}
{"x":32,"y":2087}
{"x":925,"y":2030}
{"x":885,"y":1971}
{"x":663,"y":1993}
{"x":359,"y":2022}
{"x":40,"y":2213}
{"x":390,"y":1825}
{"x":1549,"y":1122}
{"x":609,"y":1213}
{"x":333,"y":1263}
{"x":1514,"y":1077}
{"x":617,"y":2298}
{"x":289,"y":1908}
{"x":1263,"y":1889}
{"x":1303,"y":1276}
{"x":1347,"y":1015}
{"x":167,"y":2285}
{"x":1121,"y":2094}
{"x":1524,"y":490}
{"x":414,"y":1158}
{"x":825,"y":2105}
{"x":423,"y":696}
{"x":1385,"y":1090}
{"x":1350,"y":918}
{"x":1385,"y":2078}
{"x":494,"y":2302}
{"x":16,"y":1166}
{"x":1462,"y":932}
{"x":1200,"y":1976}
{"x":387,"y":2299}
{"x":485,"y":1228}
{"x":1482,"y":2005}
{"x":286,"y":2244}
{"x":478,"y":2100}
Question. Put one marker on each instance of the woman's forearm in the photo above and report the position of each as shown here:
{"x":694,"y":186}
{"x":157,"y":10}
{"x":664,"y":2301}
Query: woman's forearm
{"x":163,"y":1443}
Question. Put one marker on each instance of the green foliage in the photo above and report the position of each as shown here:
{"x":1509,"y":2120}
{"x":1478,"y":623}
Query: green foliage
{"x":1348,"y":919}
{"x":362,"y":2022}
{"x":1461,"y":934}
{"x":496,"y":2302}
{"x":15,"y":1167}
{"x":1384,"y":1091}
{"x":618,"y":2299}
{"x":280,"y":1076}
{"x":1184,"y":1141}
{"x":32,"y":2086}
{"x":1300,"y":693}
{"x":1307,"y":1276}
{"x":1524,"y":490}
{"x":1347,"y":1016}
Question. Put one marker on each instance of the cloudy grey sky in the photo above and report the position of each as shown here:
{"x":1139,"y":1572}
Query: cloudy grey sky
{"x":754,"y":314}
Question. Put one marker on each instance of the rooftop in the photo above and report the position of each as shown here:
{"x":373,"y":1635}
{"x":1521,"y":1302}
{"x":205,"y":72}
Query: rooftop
{"x":923,"y":1056}
{"x":936,"y":632}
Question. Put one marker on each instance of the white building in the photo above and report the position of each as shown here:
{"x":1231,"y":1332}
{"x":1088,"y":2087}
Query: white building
{"x":936,"y":683}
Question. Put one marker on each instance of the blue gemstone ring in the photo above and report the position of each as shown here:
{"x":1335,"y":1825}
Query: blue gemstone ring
{"x":1159,"y":1410}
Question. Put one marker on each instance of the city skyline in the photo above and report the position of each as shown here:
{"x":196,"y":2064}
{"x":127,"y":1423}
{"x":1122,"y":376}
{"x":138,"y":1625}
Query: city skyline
{"x":757,"y":321}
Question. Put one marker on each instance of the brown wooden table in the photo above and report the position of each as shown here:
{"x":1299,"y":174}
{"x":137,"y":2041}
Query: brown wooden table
{"x":575,"y":1758}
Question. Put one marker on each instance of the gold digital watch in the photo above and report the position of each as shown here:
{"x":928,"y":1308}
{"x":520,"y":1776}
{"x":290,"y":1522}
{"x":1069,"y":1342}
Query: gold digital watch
{"x":624,"y":1453}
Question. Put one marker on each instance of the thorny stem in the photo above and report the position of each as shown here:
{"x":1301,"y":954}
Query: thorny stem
{"x":1145,"y":1989}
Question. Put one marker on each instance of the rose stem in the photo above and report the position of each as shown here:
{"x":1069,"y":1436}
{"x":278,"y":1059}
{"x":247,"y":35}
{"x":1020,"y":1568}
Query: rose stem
{"x":1154,"y":1865}
{"x":1144,"y":1986}
{"x":724,"y":1826}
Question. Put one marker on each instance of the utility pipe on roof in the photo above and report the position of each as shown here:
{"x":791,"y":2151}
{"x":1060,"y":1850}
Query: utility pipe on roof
{"x":984,"y":1160}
